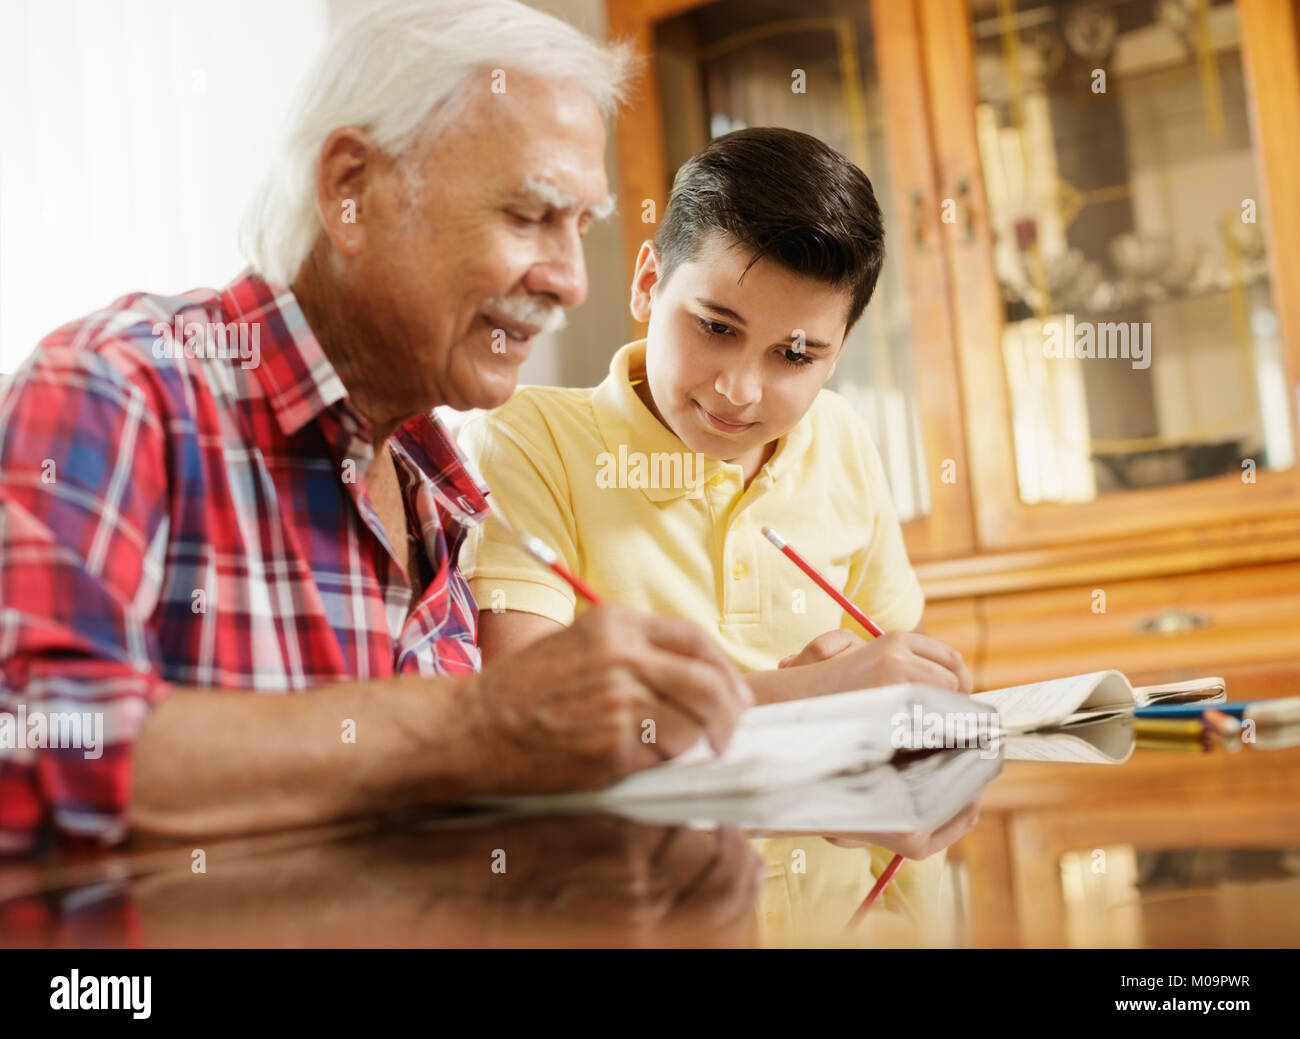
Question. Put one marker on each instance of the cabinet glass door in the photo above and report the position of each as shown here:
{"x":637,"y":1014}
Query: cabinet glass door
{"x":1140,"y":340}
{"x":1123,"y":259}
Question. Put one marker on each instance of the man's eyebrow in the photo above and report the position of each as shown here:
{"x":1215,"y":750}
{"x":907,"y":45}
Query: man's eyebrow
{"x":544,"y":193}
{"x":731,"y":315}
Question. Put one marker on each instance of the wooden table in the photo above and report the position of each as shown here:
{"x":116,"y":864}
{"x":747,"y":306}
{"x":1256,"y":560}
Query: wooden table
{"x":1168,"y":849}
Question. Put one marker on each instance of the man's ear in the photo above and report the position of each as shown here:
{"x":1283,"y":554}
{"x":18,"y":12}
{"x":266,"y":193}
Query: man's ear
{"x":644,"y":281}
{"x":346,"y":188}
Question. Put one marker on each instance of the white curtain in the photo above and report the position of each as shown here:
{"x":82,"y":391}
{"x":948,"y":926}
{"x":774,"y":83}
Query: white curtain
{"x":132,"y":133}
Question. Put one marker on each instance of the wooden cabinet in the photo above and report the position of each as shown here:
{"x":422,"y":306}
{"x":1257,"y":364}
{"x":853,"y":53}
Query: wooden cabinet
{"x":1181,"y":626}
{"x":1083,"y":361}
{"x":1170,"y":850}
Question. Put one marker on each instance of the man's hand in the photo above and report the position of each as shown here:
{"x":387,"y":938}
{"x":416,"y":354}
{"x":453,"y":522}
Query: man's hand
{"x":573,"y":710}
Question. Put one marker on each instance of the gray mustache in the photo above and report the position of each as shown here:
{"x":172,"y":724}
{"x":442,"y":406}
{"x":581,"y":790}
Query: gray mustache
{"x":529,"y":311}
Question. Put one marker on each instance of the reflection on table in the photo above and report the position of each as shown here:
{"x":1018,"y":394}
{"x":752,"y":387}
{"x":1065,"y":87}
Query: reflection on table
{"x":1158,"y":848}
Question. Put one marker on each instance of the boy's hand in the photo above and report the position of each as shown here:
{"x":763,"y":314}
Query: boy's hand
{"x":844,"y":661}
{"x":826,"y":645}
{"x":919,"y":845}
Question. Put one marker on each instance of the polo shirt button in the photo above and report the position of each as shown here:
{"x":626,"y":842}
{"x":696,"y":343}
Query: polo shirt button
{"x":739,"y":570}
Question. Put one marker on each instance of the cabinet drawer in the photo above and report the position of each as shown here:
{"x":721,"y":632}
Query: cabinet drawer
{"x":1243,"y":622}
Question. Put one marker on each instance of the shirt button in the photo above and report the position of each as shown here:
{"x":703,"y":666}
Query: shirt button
{"x":739,"y":570}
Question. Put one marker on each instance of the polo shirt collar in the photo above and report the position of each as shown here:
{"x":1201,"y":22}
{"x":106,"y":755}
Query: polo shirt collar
{"x":624,"y":420}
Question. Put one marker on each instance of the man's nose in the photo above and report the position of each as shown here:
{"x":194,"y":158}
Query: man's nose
{"x":562,"y":274}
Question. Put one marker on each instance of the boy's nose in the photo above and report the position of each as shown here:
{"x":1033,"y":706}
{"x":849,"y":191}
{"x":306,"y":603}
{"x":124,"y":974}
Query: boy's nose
{"x":740,"y":386}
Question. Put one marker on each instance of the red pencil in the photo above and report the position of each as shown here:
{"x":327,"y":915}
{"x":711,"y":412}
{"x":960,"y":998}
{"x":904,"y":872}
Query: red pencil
{"x":822,"y":583}
{"x":852,"y":610}
{"x":881,"y":884}
{"x":543,"y":553}
{"x":547,"y":556}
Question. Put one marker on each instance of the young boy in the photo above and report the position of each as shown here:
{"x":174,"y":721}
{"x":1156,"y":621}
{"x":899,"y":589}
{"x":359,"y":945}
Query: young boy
{"x":655,"y":486}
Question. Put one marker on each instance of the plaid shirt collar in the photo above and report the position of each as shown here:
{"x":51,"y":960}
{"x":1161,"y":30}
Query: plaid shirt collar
{"x":300,"y":383}
{"x":298,"y":378}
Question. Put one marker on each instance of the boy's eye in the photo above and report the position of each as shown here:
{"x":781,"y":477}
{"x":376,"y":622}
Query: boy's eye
{"x":796,"y":357}
{"x":713,"y":328}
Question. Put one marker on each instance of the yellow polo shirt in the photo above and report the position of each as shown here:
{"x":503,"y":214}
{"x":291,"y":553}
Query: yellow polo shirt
{"x":653,"y":527}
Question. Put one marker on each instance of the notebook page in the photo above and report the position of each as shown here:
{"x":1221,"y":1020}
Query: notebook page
{"x":1207,"y":690}
{"x":1042,"y":704}
{"x":1105,"y":743}
{"x":871,"y":801}
{"x":945,"y":783}
{"x":759,"y":757}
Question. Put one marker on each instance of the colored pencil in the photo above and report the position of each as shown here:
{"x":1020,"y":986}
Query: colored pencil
{"x":1190,"y":710}
{"x":543,"y":553}
{"x":1221,"y":724}
{"x":849,"y":607}
{"x":1168,"y":728}
{"x":876,"y":891}
{"x":548,"y":557}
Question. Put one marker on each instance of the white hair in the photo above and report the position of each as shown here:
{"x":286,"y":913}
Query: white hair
{"x":399,"y":71}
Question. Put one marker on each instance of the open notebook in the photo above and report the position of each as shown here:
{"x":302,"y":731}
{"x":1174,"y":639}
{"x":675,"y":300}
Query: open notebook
{"x":1091,"y":697}
{"x":909,"y":796}
{"x":1109,"y":741}
{"x":779,"y":746}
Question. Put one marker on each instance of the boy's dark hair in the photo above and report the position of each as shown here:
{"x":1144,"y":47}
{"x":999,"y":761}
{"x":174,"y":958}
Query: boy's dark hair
{"x":783,"y":195}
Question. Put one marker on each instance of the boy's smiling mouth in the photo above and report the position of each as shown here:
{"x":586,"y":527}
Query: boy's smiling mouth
{"x":721,"y":424}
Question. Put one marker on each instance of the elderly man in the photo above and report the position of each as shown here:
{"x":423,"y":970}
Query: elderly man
{"x":187,"y":526}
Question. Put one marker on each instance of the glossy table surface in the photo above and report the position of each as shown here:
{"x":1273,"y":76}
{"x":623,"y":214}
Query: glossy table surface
{"x":1174,"y":847}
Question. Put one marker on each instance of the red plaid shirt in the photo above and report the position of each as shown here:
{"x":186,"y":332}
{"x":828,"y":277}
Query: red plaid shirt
{"x":191,"y":520}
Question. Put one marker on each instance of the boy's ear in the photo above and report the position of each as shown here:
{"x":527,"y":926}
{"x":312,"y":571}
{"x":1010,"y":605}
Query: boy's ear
{"x":644,"y":281}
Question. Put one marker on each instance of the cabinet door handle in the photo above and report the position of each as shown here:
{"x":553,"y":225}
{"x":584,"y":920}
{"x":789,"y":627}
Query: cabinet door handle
{"x":967,"y":210}
{"x":1172,"y":622}
{"x":918,"y":220}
